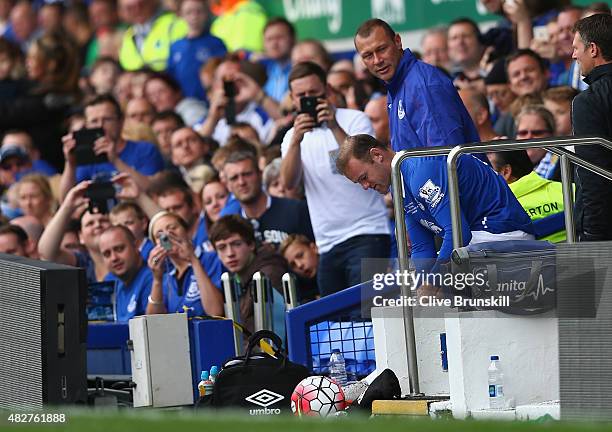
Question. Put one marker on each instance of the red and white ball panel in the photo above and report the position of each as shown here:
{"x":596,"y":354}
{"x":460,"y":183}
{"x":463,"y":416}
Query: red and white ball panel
{"x":317,"y":395}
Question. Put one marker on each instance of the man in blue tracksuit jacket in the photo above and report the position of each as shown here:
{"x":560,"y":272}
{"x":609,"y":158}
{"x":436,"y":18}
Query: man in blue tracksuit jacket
{"x":187,"y":56}
{"x":423,"y":105}
{"x":489,"y":209}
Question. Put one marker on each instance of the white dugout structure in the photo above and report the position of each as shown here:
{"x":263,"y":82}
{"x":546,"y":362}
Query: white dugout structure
{"x":555,"y":363}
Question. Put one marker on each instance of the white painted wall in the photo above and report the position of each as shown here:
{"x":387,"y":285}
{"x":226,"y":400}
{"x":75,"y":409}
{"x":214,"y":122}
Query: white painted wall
{"x":527,"y":346}
{"x":528,"y":350}
{"x":390,"y":347}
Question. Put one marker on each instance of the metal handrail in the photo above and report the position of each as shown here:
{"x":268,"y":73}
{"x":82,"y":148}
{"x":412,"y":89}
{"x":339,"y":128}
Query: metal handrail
{"x":263,"y":303}
{"x":232,"y":307}
{"x":290,"y":291}
{"x":402,"y":252}
{"x":555,"y":145}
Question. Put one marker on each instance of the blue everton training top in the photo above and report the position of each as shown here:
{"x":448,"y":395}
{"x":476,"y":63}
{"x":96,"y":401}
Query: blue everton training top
{"x":131,"y":300}
{"x":425,"y":109}
{"x":188,"y":294}
{"x":486,"y":201}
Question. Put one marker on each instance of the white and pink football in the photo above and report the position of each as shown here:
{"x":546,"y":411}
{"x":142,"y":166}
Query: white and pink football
{"x":317,"y":396}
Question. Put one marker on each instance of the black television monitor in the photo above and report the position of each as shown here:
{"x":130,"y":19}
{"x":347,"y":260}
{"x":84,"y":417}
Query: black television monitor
{"x":43,"y":334}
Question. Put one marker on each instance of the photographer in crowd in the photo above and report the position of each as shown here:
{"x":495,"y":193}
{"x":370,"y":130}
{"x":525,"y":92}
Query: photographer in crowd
{"x":139,"y":159}
{"x":92,"y":225}
{"x":349,"y":223}
{"x":182,"y":281}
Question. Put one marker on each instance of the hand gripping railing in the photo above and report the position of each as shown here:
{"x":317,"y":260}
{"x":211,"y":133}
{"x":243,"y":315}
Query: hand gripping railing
{"x":402,"y":251}
{"x":555,"y":145}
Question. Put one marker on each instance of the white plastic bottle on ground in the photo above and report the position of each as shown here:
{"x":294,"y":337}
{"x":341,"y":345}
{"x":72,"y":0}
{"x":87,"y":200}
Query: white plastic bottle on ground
{"x":496,"y":384}
{"x":337,"y":368}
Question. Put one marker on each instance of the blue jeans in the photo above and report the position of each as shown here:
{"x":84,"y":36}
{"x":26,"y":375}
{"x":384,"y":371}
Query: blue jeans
{"x":341,"y":267}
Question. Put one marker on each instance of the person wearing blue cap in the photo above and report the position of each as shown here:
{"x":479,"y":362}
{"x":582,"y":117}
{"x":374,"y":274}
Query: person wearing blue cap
{"x":13,"y":161}
{"x":21,"y":138}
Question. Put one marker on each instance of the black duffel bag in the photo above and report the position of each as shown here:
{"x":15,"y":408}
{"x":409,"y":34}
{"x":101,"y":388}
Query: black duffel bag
{"x":259,"y":383}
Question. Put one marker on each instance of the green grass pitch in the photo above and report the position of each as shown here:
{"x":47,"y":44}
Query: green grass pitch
{"x":187,"y":420}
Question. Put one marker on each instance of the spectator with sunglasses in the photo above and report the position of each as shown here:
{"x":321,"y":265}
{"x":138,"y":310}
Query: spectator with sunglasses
{"x":535,"y":121}
{"x":21,"y":138}
{"x":14,"y":162}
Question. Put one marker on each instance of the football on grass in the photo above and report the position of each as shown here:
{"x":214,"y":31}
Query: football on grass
{"x":317,"y":396}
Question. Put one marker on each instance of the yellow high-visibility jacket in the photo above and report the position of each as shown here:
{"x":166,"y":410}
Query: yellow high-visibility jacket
{"x":167,"y":28}
{"x":540,"y":198}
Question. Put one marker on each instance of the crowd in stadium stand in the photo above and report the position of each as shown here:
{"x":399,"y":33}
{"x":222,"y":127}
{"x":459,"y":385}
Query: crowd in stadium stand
{"x":218,"y":129}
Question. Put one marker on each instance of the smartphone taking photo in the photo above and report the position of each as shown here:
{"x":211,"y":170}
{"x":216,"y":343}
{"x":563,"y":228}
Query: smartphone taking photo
{"x":102,"y":196}
{"x":308,"y":105}
{"x":229,"y":88}
{"x":165,"y":242}
{"x":84,"y":149}
{"x":541,"y":33}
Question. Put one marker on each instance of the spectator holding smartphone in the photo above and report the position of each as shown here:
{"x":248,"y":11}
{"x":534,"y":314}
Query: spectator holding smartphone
{"x":139,"y":159}
{"x":181,"y":280}
{"x":237,"y":96}
{"x":92,"y":225}
{"x":349,"y":223}
{"x":61,"y":228}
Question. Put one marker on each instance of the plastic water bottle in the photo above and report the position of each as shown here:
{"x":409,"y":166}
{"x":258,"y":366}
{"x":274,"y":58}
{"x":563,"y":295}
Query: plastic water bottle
{"x":496,"y":384}
{"x":202,"y":383}
{"x":209,"y":386}
{"x":214,"y":371}
{"x":337,"y":368}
